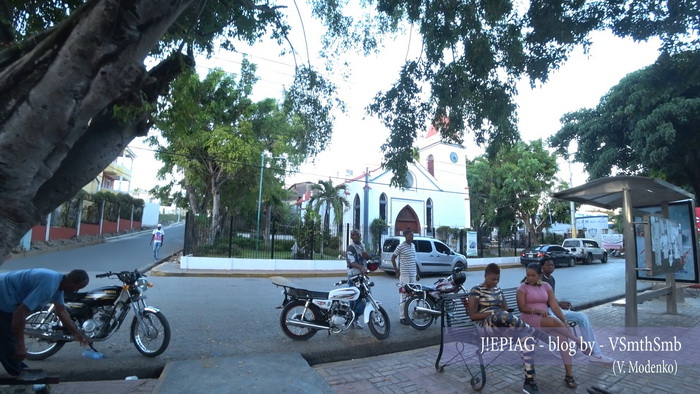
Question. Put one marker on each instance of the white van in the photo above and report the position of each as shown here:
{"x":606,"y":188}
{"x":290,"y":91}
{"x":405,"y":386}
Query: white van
{"x":432,"y":255}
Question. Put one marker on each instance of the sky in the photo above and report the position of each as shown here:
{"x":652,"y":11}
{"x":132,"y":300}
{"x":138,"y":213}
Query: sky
{"x":357,"y":137}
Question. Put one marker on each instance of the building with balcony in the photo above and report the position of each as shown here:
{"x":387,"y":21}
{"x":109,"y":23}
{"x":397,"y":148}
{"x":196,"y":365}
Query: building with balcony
{"x":117,"y":176}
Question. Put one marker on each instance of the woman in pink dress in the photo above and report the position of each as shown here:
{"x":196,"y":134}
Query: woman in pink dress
{"x":534,"y":298}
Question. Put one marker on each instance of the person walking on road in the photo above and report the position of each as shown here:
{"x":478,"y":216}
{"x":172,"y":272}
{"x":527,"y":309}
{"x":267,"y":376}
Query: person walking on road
{"x":157,"y":240}
{"x":407,"y":271}
{"x":356,"y":258}
{"x":25,"y":291}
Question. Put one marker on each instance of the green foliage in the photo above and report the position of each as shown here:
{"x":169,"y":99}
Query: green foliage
{"x":214,"y":133}
{"x":444,"y":232}
{"x":515,"y":186}
{"x":308,"y":235}
{"x":473,"y":54}
{"x":169,"y":217}
{"x":376,"y":229}
{"x":284,"y":245}
{"x":330,"y":197}
{"x":116,"y":205}
{"x":645,"y":125}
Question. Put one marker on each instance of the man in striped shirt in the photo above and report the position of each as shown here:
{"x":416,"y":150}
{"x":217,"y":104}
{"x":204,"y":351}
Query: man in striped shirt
{"x":406,"y":271}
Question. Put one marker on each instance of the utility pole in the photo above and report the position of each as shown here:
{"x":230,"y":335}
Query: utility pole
{"x":572,"y":205}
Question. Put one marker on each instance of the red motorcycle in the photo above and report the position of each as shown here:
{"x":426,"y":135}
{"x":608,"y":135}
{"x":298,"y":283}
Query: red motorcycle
{"x":423,"y":306}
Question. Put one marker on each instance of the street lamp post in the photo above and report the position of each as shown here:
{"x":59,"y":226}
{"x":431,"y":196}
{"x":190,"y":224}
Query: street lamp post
{"x":262,"y":167}
{"x":257,"y":230}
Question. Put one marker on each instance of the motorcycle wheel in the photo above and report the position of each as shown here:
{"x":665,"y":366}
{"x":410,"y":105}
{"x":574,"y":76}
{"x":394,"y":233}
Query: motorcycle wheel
{"x":39,"y":348}
{"x":379,"y":324}
{"x":154,"y":338}
{"x":295,"y":311}
{"x":419,"y":320}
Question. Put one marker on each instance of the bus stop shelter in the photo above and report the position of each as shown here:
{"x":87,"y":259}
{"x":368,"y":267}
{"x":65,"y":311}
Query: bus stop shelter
{"x":628,"y":192}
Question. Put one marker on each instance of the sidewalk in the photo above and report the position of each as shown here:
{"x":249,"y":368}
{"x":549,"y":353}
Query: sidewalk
{"x":414,"y":372}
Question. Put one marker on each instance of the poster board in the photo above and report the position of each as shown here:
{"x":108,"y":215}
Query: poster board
{"x":665,"y":239}
{"x":681,"y":212}
{"x":612,"y":241}
{"x":472,"y":249}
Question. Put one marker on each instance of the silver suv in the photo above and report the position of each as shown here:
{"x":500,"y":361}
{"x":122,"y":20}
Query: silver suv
{"x":432,"y":255}
{"x":585,"y":250}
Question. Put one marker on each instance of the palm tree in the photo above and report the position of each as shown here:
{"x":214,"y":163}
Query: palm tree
{"x":330,"y":197}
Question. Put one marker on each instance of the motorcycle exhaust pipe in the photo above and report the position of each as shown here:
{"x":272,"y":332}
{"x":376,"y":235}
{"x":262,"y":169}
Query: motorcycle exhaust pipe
{"x":56,"y":336}
{"x":299,"y":323}
{"x":427,"y":310}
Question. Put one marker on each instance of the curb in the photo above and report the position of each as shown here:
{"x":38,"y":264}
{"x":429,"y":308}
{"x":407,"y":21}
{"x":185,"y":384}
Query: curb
{"x":52,"y":249}
{"x":159,"y":268}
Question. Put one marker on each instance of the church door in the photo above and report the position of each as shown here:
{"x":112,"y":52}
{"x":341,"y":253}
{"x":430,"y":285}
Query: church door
{"x":407,"y":218}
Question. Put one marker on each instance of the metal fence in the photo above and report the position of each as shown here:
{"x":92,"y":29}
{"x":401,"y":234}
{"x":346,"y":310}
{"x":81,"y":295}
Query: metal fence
{"x":309,"y":240}
{"x":237,"y":238}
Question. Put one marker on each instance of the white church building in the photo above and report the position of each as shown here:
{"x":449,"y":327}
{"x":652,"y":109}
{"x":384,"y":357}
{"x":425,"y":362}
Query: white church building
{"x":435,"y":193}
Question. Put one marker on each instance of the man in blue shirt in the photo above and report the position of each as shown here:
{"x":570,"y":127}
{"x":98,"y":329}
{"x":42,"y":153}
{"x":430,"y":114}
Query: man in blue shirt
{"x":25,"y":291}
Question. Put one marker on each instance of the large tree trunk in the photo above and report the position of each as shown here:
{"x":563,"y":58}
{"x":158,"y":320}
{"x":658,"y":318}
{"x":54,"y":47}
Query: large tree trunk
{"x":57,"y":105}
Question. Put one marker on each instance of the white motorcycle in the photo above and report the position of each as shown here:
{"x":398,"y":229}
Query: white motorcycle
{"x":304,"y":312}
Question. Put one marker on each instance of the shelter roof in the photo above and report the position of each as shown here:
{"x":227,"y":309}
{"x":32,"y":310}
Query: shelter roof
{"x":607,"y":192}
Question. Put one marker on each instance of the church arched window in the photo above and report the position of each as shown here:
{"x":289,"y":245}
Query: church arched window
{"x":356,"y":212}
{"x":382,"y":207}
{"x":431,"y":165}
{"x":429,"y":215}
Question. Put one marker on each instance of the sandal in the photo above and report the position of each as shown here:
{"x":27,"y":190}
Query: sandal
{"x":570,"y":382}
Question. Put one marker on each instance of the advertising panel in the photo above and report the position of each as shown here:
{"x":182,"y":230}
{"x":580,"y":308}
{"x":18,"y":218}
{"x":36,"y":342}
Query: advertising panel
{"x":472,"y":249}
{"x":681,"y":212}
{"x":612,"y":241}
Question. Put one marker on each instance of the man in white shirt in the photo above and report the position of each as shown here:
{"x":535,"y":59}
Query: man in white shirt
{"x":407,"y":270}
{"x":157,"y":240}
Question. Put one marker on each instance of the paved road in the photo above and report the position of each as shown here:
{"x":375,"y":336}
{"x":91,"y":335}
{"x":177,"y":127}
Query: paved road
{"x":221,"y":317}
{"x":128,"y":252}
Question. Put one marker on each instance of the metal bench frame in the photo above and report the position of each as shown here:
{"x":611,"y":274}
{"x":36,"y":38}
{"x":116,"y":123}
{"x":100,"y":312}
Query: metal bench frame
{"x":454,"y":316}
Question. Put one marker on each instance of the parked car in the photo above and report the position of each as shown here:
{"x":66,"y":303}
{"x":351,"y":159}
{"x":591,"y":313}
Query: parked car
{"x":558,"y":254}
{"x":585,"y":250}
{"x":432,"y":256}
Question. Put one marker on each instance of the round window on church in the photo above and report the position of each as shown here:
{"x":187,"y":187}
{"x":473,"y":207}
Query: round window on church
{"x":453,"y":157}
{"x":409,"y":182}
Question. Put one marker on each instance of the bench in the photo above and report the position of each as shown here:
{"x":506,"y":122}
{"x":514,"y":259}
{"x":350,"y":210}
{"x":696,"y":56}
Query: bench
{"x":458,"y":328}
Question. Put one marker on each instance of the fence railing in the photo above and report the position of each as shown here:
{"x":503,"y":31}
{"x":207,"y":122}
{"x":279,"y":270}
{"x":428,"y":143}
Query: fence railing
{"x":236,"y":238}
{"x":309,"y":240}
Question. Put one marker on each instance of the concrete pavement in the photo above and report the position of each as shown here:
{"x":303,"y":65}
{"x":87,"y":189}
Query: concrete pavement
{"x":413,"y":371}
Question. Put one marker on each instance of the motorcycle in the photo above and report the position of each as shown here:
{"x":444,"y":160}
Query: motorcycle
{"x":423,"y":304}
{"x":304,"y":312}
{"x":98,"y":314}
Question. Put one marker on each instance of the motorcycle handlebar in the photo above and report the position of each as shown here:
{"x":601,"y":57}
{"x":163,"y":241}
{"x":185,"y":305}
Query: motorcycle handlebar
{"x":110,"y":273}
{"x":354,"y":278}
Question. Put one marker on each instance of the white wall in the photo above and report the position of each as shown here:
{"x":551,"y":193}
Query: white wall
{"x":150,"y":214}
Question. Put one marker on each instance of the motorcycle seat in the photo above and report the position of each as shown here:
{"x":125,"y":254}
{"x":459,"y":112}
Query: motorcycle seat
{"x":307,"y":294}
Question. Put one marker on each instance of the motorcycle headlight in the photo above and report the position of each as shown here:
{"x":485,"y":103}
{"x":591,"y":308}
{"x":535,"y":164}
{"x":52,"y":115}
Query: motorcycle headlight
{"x":142,"y":284}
